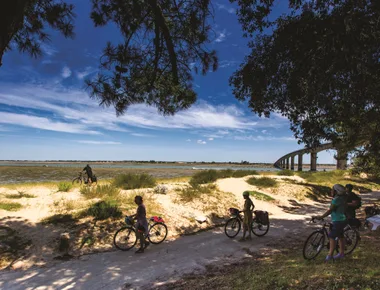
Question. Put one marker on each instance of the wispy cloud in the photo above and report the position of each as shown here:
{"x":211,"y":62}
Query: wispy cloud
{"x":66,"y":72}
{"x":262,"y":138}
{"x":228,"y":63}
{"x":43,"y":123}
{"x":87,"y":71}
{"x":48,"y":49}
{"x":221,"y":36}
{"x":201,"y":142}
{"x":230,"y":10}
{"x":98,"y":142}
{"x":143,"y":135}
{"x":211,"y":139}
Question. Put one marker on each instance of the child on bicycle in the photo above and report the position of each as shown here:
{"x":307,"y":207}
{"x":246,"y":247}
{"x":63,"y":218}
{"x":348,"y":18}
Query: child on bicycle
{"x":247,"y":221}
{"x":337,"y":210}
{"x":141,"y":224}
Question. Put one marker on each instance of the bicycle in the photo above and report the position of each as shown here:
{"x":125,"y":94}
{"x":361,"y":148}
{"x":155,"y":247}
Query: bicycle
{"x":125,"y":238}
{"x":316,"y":240}
{"x":83,"y":179}
{"x":233,"y":225}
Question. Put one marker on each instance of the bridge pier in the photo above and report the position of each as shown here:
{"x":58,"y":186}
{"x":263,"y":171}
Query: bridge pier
{"x":287,"y":163}
{"x":292,"y":163}
{"x":300,"y":162}
{"x":313,"y":161}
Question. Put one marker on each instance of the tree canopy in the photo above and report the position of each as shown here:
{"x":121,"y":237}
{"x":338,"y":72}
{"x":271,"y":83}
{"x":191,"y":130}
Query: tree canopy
{"x":318,"y":65}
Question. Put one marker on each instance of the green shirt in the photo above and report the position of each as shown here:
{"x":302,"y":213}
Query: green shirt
{"x":338,"y":206}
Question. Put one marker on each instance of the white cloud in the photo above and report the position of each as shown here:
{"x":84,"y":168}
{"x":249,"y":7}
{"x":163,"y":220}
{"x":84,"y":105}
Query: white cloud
{"x":82,"y":74}
{"x":98,"y":142}
{"x":66,"y":72}
{"x":228,"y":63}
{"x":142,"y":135}
{"x":221,"y":36}
{"x":48,"y":49}
{"x":201,"y":142}
{"x":211,"y":139}
{"x":262,"y":138}
{"x":43,"y":123}
{"x":230,"y":10}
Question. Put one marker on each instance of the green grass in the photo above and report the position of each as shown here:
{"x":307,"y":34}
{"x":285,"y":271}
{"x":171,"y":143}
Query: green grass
{"x":10,"y":206}
{"x":134,"y":181}
{"x":20,"y":194}
{"x":211,"y":175}
{"x":288,"y":270}
{"x":262,"y":182}
{"x":190,"y":193}
{"x":100,"y":191}
{"x":59,"y":219}
{"x":261,"y":196}
{"x":64,"y":186}
{"x":285,"y":172}
{"x":103,"y":210}
{"x":328,"y":177}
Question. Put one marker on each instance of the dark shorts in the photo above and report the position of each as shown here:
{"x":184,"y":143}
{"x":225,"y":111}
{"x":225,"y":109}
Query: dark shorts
{"x":337,"y":229}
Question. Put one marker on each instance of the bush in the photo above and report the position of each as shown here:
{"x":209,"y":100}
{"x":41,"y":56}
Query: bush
{"x":64,"y":186}
{"x":100,"y":191}
{"x":134,"y":181}
{"x":10,"y":206}
{"x":208,"y":176}
{"x":103,"y":210}
{"x":285,"y":172}
{"x":59,"y":219}
{"x":20,"y":194}
{"x":262,"y":182}
{"x":190,"y":193}
{"x":261,"y":196}
{"x":160,"y":189}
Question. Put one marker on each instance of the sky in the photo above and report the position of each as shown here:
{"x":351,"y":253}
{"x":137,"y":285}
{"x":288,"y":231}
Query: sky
{"x":46,"y":113}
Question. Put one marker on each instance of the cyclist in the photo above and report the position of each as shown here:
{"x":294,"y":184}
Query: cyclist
{"x":88,"y":170}
{"x":247,"y":221}
{"x":337,"y":210}
{"x":141,"y":224}
{"x":353,"y":202}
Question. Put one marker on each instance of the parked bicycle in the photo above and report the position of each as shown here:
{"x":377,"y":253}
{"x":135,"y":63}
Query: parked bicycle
{"x":125,"y":238}
{"x":260,"y":223}
{"x":83,"y":178}
{"x":319,"y":239}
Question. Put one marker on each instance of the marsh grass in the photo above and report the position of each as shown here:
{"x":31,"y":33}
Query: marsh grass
{"x":134,"y":181}
{"x":10,"y":206}
{"x":211,"y":175}
{"x":64,"y":186}
{"x":190,"y":193}
{"x":262,"y":182}
{"x":100,"y":191}
{"x":20,"y":194}
{"x":285,"y":172}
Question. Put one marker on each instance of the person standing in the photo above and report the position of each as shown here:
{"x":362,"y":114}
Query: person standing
{"x":248,"y":218}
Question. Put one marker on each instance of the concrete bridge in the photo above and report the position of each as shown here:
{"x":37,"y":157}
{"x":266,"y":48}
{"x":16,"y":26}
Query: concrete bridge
{"x":287,"y":161}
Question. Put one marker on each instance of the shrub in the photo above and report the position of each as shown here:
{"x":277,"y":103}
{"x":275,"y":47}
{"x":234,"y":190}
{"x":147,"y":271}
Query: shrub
{"x":189,"y":193}
{"x":100,"y":191}
{"x":64,"y":186}
{"x":262,"y":182}
{"x":10,"y":206}
{"x":20,"y":194}
{"x":103,"y":210}
{"x":285,"y":172}
{"x":208,"y":176}
{"x":261,"y":196}
{"x":160,"y":189}
{"x":59,"y":219}
{"x":134,"y":181}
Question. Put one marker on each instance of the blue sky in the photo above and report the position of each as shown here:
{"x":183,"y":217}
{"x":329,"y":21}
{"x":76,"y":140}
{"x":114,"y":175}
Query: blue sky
{"x":45,"y":113}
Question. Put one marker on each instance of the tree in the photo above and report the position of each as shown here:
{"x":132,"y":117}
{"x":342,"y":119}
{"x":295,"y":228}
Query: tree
{"x":163,"y":43}
{"x":318,"y":65}
{"x":23,"y":22}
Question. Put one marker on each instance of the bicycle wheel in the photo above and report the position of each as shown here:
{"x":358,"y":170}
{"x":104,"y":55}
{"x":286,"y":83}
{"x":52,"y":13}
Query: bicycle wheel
{"x":258,"y":229}
{"x":232,"y":227}
{"x":351,"y":240}
{"x":313,"y":245}
{"x":77,"y":181}
{"x":125,"y":238}
{"x":157,"y":233}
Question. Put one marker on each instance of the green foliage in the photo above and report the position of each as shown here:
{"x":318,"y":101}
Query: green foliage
{"x":59,"y":219}
{"x":103,"y":210}
{"x":328,"y":177}
{"x":190,"y":193}
{"x":261,"y":196}
{"x":10,"y":206}
{"x":24,"y":24}
{"x":100,"y":191}
{"x":263,"y":182}
{"x":211,"y":175}
{"x":319,"y":68}
{"x":20,"y":194}
{"x":64,"y":186}
{"x":134,"y":181}
{"x":285,"y":172}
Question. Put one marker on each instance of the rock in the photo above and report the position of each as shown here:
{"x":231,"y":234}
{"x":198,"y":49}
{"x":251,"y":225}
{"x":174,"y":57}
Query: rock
{"x":201,"y":219}
{"x":64,"y":243}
